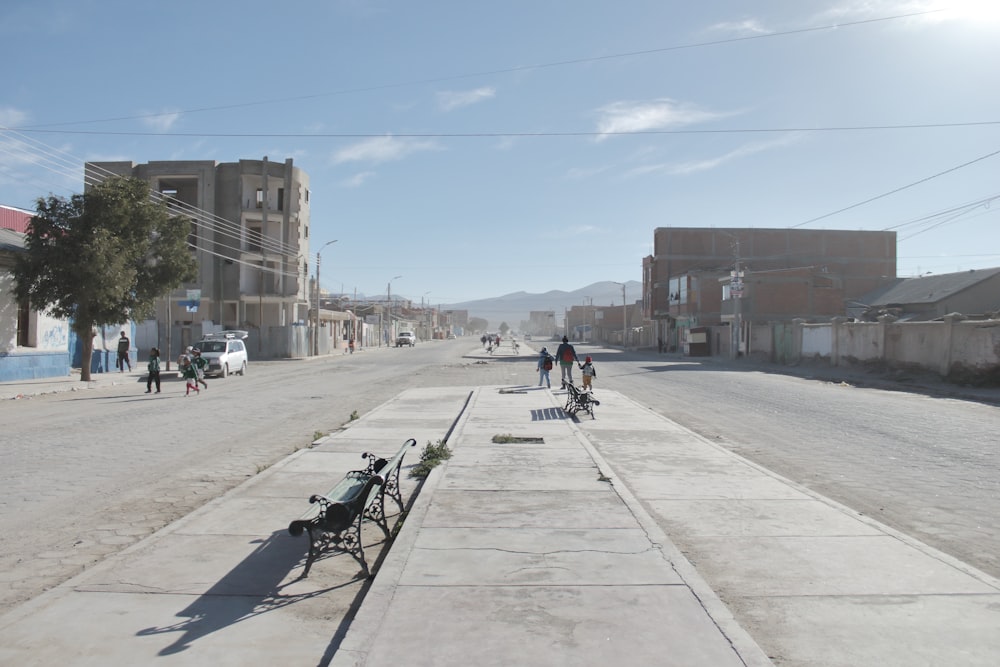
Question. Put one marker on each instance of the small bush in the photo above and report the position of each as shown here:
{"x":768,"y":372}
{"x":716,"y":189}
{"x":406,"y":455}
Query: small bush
{"x":432,"y":455}
{"x":355,"y":415}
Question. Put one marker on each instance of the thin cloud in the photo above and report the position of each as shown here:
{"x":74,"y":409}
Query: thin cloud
{"x":11,"y":117}
{"x":741,"y":152}
{"x":381,"y":149}
{"x":866,"y":9}
{"x":745,"y":27}
{"x":451,"y":100}
{"x":659,"y":114}
{"x":358,"y":179}
{"x":161,"y":121}
{"x":696,"y":166}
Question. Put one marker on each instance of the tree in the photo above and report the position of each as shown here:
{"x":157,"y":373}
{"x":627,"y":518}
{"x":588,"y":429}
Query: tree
{"x":504,"y":328}
{"x":103,"y":257}
{"x":478,"y":324}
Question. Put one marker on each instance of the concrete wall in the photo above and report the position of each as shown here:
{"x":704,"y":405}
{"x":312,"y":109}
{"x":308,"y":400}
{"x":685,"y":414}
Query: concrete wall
{"x":816,"y":341}
{"x":960,"y":350}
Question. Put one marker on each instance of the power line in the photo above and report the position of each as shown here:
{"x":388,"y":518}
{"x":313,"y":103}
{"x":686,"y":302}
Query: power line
{"x":899,"y":189}
{"x":499,"y":135}
{"x":63,"y":164}
{"x":506,"y":70}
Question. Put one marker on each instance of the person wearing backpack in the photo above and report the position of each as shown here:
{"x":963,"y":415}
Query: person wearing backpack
{"x":566,"y":354}
{"x":544,"y":366}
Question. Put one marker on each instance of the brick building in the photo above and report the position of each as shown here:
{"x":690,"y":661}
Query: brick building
{"x":705,"y":277}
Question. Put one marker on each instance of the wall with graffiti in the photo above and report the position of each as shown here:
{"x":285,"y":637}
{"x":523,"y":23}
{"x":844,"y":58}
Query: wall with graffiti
{"x":32,"y":344}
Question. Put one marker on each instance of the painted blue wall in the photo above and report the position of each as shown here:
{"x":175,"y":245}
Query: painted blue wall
{"x":33,"y":365}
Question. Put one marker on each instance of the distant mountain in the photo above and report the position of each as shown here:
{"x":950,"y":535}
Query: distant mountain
{"x":513,"y":308}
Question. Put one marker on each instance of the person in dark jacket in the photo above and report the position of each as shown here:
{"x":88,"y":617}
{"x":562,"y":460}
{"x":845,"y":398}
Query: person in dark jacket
{"x":154,"y":371}
{"x":566,"y":356}
{"x":123,"y":345}
{"x":544,"y":366}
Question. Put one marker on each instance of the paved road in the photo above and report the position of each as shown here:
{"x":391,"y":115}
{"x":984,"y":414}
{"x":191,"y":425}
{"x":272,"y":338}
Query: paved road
{"x":927,"y":466}
{"x":85,"y":474}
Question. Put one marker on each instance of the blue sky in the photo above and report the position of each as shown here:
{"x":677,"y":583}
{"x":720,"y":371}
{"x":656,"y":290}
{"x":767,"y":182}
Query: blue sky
{"x":477,"y":149}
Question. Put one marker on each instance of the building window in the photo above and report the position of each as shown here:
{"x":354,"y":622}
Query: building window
{"x":193,"y":235}
{"x":23,"y":324}
{"x":307,"y":195}
{"x":281,"y":199}
{"x":260,"y":198}
{"x":255,"y":238}
{"x":678,"y":290}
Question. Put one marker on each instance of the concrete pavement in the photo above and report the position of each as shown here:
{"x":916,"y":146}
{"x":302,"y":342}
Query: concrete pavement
{"x":623,"y":537}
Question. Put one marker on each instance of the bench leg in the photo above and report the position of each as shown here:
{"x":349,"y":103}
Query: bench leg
{"x":347,"y":540}
{"x":376,"y":512}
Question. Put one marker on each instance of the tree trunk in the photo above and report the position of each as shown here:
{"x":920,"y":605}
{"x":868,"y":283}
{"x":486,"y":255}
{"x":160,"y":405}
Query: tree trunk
{"x":86,"y":336}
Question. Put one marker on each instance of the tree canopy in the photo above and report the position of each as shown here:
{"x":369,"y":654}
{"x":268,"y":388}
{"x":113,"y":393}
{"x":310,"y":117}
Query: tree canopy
{"x":102,"y":257}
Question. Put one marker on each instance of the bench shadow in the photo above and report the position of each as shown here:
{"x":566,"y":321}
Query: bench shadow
{"x":250,"y":589}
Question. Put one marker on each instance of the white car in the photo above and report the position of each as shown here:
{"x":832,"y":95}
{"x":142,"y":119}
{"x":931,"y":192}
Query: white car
{"x":226,"y":352}
{"x":406,"y":338}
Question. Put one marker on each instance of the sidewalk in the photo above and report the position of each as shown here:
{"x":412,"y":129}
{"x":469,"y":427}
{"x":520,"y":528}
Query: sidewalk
{"x":612,"y":539}
{"x":22,"y":389}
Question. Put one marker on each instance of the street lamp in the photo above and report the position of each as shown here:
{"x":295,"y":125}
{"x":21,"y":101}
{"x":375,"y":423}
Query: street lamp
{"x":316,"y":330}
{"x":624,"y":314}
{"x":388,"y":304}
{"x":428,"y":330}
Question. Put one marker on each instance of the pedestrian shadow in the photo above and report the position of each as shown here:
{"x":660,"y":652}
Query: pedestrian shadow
{"x":250,"y":589}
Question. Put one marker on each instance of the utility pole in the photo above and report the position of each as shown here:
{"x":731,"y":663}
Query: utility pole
{"x":388,"y":304}
{"x":736,"y":292}
{"x":624,"y":314}
{"x":624,"y":317}
{"x":316,"y":330}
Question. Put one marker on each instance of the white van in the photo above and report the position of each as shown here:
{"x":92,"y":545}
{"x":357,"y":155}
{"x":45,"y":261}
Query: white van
{"x":225,"y":351}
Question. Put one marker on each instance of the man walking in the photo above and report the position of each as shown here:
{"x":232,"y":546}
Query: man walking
{"x":566,"y":356}
{"x":123,"y":345}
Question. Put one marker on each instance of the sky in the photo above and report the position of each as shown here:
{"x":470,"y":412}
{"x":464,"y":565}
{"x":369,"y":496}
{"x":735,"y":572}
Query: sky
{"x":462,"y":150}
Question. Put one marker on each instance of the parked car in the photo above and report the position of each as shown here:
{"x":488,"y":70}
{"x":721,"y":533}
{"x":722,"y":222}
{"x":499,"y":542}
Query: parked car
{"x":226,"y":352}
{"x":451,"y":336}
{"x":406,"y":338}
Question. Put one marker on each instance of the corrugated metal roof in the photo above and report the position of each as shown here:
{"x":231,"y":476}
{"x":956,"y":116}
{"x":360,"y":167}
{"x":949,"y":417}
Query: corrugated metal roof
{"x":14,"y":218}
{"x":931,"y":289}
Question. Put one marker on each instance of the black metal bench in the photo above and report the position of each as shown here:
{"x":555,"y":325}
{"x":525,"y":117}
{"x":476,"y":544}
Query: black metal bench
{"x":334,"y":519}
{"x":577,"y":400}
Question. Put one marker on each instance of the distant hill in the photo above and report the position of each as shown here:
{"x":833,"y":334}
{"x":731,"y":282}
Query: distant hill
{"x":513,"y":308}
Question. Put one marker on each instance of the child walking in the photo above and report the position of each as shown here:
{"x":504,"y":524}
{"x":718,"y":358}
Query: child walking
{"x":154,"y":370}
{"x":200,"y":363}
{"x":544,"y":366}
{"x":190,"y":377}
{"x":588,"y":372}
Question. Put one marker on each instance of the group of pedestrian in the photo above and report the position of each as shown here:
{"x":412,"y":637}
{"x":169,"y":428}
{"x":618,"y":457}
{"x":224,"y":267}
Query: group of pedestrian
{"x":192,"y":366}
{"x":566,"y":357}
{"x":490,"y":341}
